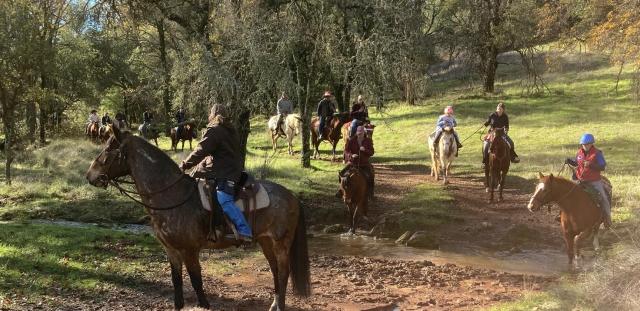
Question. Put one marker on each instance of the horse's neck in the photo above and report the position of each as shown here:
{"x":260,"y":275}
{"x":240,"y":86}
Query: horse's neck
{"x":149,"y":172}
{"x":564,"y":193}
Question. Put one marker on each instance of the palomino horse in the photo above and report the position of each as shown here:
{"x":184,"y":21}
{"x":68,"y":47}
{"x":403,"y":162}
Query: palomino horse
{"x":331,"y":132}
{"x":148,"y":132}
{"x":354,"y":188}
{"x":579,"y":215}
{"x":442,"y":158}
{"x":497,"y":167}
{"x":290,"y":127}
{"x":181,"y":224}
{"x":188,"y":132}
{"x":94,"y":132}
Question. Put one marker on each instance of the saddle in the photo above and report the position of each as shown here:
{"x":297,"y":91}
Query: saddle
{"x":250,"y":197}
{"x":595,"y":195}
{"x":489,"y":137}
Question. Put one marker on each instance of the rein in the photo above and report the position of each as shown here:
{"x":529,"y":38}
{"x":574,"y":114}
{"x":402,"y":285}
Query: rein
{"x":482,"y":126}
{"x":116,"y":184}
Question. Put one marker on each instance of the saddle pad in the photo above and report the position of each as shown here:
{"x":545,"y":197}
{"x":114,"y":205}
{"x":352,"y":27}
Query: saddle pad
{"x":262,"y":197}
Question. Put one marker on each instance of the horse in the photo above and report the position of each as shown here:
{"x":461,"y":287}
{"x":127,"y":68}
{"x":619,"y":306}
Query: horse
{"x":354,"y":189}
{"x":442,"y":157}
{"x":580,"y":217}
{"x":331,"y":132}
{"x":188,"y":132}
{"x":94,"y":132}
{"x":495,"y":172}
{"x":181,"y":224}
{"x":105,"y":132}
{"x":150,"y":133}
{"x":291,"y":127}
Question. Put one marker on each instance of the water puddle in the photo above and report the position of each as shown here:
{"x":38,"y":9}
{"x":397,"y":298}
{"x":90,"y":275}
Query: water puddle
{"x":538,"y":262}
{"x":533,"y":262}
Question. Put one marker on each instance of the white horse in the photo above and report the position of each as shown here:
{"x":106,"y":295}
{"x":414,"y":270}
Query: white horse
{"x":290,"y":127}
{"x":444,"y":155}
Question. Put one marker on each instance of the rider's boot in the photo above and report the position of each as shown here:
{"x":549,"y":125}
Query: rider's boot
{"x":514,"y":157}
{"x":235,"y":215}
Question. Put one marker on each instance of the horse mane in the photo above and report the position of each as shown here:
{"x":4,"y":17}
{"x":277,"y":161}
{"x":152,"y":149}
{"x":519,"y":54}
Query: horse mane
{"x":151,"y":150}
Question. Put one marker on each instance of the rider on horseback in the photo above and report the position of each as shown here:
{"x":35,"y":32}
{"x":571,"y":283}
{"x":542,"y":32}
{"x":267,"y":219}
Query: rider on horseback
{"x":147,"y":118}
{"x":445,"y":120}
{"x":499,"y":119}
{"x":283,"y":107}
{"x":93,"y":118}
{"x":221,"y":143}
{"x":359,"y":113}
{"x":326,"y":109}
{"x":180,"y":118}
{"x":106,"y":119}
{"x":589,"y":163}
{"x":357,"y":153}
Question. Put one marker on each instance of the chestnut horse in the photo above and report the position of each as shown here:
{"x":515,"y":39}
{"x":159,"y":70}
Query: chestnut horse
{"x":331,"y":132}
{"x":188,"y":132}
{"x":579,"y":215}
{"x":181,"y":224}
{"x":442,"y":158}
{"x":495,"y":172}
{"x":353,"y":185}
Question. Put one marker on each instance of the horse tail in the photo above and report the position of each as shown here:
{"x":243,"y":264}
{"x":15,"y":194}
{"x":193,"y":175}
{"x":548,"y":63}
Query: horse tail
{"x":299,"y":259}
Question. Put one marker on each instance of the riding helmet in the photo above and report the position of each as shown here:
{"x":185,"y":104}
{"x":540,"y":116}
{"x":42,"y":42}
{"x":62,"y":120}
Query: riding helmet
{"x":587,"y":139}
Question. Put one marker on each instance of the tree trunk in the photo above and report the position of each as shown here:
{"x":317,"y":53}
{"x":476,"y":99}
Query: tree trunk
{"x":7,"y":120}
{"x":44,"y":115}
{"x":490,"y":67}
{"x":244,"y":128}
{"x":30,"y":114}
{"x":166,"y":95}
{"x":302,"y":92}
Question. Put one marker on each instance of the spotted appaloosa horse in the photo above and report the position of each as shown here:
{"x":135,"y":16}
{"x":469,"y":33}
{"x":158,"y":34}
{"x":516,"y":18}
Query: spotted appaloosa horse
{"x":181,"y":224}
{"x":442,"y":158}
{"x":331,"y":132}
{"x":579,"y":215}
{"x":498,"y":162}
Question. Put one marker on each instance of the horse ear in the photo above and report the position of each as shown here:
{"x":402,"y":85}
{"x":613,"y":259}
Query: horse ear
{"x":116,"y":130}
{"x":540,"y":175}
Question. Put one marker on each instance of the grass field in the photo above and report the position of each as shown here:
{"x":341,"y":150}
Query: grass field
{"x":49,"y":182}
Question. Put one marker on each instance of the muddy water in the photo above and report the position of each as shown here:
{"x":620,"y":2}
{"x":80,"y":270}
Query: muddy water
{"x":538,"y":262}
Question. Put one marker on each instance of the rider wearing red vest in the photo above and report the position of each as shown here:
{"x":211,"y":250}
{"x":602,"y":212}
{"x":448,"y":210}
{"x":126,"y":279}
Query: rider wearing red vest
{"x":590,"y":163}
{"x":357,"y":153}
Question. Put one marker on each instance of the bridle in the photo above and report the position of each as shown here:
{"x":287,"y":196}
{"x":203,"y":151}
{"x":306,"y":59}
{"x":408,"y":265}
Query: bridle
{"x":543,"y":201}
{"x":115,"y":182}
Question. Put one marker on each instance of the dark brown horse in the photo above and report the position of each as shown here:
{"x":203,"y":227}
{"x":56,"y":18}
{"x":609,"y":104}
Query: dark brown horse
{"x":497,"y":167}
{"x":354,"y":188}
{"x":94,"y":132}
{"x":579,"y":215}
{"x":331,"y":132}
{"x":188,"y":132}
{"x":181,"y":224}
{"x":149,"y":132}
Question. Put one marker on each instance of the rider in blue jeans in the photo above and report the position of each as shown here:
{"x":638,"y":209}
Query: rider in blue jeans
{"x":221,"y":143}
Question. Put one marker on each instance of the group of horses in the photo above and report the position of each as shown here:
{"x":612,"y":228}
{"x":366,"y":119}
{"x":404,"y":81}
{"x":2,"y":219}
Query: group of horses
{"x":495,"y":170}
{"x":181,"y":224}
{"x":580,"y":215}
{"x":101,"y":133}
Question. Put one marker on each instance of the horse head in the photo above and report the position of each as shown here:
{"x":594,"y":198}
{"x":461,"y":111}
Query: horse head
{"x":345,"y":184}
{"x":448,"y":129}
{"x":111,"y":162}
{"x":540,"y":196}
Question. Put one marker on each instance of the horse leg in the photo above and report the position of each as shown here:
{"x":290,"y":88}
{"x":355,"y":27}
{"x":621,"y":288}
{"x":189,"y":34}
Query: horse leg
{"x":492,"y":178}
{"x":267,"y":250}
{"x":192,"y":263}
{"x":190,"y":146}
{"x":569,"y":241}
{"x":596,"y":242}
{"x":503,"y":178}
{"x":176,"y":278}
{"x":333,"y":158}
{"x":282,"y":258}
